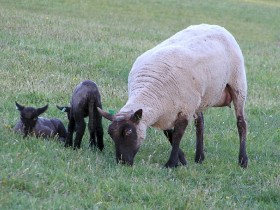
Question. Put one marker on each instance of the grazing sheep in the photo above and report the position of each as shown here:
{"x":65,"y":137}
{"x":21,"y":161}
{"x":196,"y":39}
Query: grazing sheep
{"x":31,"y":123}
{"x":199,"y":67}
{"x":85,"y":100}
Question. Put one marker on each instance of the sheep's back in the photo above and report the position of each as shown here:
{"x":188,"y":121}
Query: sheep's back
{"x":187,"y":72}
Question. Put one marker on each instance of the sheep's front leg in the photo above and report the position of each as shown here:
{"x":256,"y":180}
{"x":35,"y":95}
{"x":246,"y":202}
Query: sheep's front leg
{"x":169,"y":134}
{"x":179,"y":129}
{"x":199,"y":124}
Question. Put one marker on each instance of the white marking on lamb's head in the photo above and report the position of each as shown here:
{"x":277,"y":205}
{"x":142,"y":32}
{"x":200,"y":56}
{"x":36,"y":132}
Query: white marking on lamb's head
{"x":29,"y":116}
{"x":123,"y":131}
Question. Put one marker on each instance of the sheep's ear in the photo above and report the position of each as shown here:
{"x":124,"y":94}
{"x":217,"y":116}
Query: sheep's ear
{"x":136,"y":117}
{"x":105,"y":114}
{"x":42,"y":110}
{"x":64,"y":108}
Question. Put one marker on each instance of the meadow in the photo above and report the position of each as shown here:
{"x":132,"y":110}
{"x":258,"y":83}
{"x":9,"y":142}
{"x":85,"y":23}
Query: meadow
{"x":48,"y":47}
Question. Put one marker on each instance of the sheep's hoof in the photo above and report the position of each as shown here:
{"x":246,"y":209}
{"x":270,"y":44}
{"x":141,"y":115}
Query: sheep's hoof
{"x":243,"y":161}
{"x":199,"y":158}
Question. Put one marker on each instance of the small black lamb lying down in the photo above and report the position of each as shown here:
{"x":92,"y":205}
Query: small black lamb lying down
{"x":85,"y":100}
{"x":31,"y":124}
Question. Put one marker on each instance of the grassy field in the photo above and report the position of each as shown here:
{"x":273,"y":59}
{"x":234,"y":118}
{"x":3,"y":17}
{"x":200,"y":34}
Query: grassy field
{"x":48,"y":47}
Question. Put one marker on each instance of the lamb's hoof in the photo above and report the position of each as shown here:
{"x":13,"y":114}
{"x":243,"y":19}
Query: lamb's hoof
{"x":100,"y":146}
{"x":243,"y":161}
{"x":199,"y":158}
{"x":171,"y":164}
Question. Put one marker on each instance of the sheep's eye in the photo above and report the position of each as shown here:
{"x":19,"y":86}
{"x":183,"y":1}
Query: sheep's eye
{"x":35,"y":118}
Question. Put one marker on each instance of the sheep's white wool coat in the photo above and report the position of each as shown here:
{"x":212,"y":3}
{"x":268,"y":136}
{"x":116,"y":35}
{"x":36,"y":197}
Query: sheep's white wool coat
{"x":184,"y":75}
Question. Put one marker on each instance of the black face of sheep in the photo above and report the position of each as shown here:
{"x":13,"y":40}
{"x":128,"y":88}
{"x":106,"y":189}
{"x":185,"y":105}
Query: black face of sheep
{"x":29,"y":116}
{"x":124,"y":134}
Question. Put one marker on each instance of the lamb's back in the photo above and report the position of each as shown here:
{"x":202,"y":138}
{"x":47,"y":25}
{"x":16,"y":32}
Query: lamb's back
{"x":86,"y":92}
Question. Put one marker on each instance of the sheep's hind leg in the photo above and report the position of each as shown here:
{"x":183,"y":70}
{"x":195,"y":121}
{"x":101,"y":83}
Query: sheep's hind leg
{"x":199,"y":124}
{"x":92,"y":128}
{"x":80,"y":130}
{"x":242,"y":131}
{"x":99,"y":133}
{"x":239,"y":103}
{"x":95,"y":128}
{"x":179,"y":129}
{"x":168,"y":134}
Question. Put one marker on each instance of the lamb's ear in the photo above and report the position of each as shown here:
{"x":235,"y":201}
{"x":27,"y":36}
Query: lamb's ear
{"x":42,"y":110}
{"x":19,"y":107}
{"x":136,"y":117}
{"x":64,"y":108}
{"x":105,"y":114}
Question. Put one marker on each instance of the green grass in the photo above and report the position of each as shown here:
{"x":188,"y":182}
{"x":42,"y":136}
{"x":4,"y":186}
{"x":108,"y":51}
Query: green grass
{"x":48,"y":47}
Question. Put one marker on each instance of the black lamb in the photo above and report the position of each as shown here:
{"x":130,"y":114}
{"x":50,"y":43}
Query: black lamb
{"x":85,"y":100}
{"x":31,"y":124}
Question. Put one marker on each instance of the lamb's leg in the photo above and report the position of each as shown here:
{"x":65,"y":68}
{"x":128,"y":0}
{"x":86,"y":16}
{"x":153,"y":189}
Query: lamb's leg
{"x":71,"y":127}
{"x":95,"y":127}
{"x":80,"y":126}
{"x":199,"y":124}
{"x":99,"y":132}
{"x":168,"y":134}
{"x":179,"y":129}
{"x":92,"y":129}
{"x":239,"y":103}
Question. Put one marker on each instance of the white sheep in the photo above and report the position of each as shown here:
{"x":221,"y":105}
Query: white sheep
{"x":199,"y":67}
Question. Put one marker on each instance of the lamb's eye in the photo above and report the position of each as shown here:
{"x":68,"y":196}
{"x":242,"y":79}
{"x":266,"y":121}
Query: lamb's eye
{"x":35,"y":118}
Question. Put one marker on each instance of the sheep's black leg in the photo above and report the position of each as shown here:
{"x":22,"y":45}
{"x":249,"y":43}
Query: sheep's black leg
{"x":242,"y":130}
{"x":80,"y":130}
{"x":95,"y":127}
{"x":92,"y":128}
{"x":179,"y":129}
{"x":199,"y":124}
{"x":239,"y":98}
{"x":71,"y":127}
{"x":99,"y":132}
{"x":168,"y":134}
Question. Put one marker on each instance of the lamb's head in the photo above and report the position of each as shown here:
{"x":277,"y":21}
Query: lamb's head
{"x":123,"y":131}
{"x":29,"y":116}
{"x":65,"y":109}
